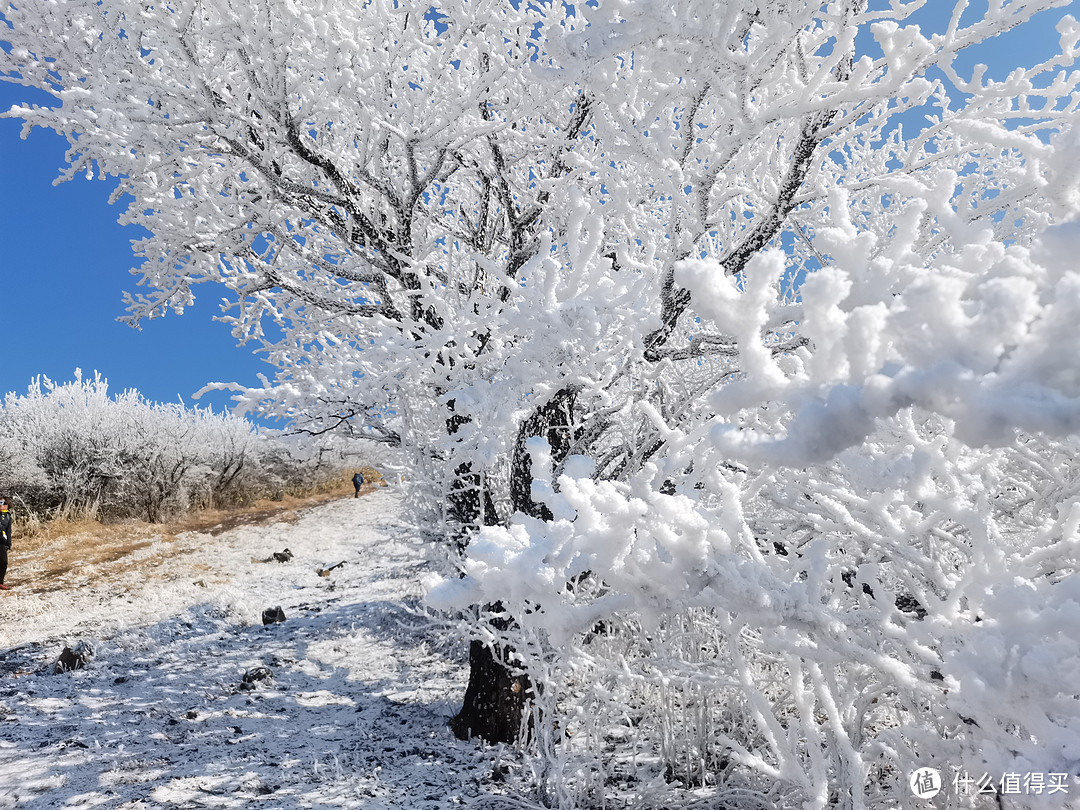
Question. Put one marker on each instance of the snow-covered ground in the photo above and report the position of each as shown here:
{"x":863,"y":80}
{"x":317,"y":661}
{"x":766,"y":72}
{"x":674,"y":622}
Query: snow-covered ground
{"x":345,"y":705}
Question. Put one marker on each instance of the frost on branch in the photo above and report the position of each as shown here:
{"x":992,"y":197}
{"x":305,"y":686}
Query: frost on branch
{"x":908,"y":603}
{"x":983,"y":336}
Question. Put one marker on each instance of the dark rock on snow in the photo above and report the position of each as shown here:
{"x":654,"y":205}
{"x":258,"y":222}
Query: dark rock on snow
{"x":272,"y":615}
{"x":75,"y":657}
{"x":254,"y":676}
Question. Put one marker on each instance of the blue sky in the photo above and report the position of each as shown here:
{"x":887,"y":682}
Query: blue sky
{"x":64,"y":264}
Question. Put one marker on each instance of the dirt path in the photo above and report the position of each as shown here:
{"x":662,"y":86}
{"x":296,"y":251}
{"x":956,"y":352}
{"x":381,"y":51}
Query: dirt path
{"x":71,"y":554}
{"x":189,"y":701}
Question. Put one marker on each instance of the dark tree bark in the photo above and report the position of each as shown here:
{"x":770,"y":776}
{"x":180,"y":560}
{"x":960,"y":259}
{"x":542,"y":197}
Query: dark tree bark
{"x":497,"y":695}
{"x":469,"y":503}
{"x":554,"y":422}
{"x":496,"y":698}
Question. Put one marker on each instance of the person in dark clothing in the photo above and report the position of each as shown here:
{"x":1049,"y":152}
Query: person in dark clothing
{"x":357,"y":482}
{"x":5,"y":538}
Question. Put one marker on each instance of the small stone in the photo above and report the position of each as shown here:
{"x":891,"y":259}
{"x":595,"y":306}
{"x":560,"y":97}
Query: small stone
{"x":258,"y":674}
{"x":74,"y":657}
{"x":273,"y":615}
{"x":254,"y":676}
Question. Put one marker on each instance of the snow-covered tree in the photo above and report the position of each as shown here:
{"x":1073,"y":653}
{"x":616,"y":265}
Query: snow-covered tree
{"x":709,"y":325}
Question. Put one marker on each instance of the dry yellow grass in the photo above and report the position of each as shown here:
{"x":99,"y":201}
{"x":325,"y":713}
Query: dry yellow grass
{"x":60,"y":553}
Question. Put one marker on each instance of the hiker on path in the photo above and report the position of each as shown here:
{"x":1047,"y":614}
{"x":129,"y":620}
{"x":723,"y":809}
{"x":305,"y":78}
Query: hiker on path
{"x":5,"y":538}
{"x":358,"y":481}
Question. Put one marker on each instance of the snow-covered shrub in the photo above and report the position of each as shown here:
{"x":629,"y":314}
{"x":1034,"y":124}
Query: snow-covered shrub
{"x":74,"y":450}
{"x":66,"y":435}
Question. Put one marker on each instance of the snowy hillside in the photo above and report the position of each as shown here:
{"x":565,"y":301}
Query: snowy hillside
{"x":190,"y":701}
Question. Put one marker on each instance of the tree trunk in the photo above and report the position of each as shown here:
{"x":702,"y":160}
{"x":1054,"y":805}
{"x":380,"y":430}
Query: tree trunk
{"x":496,"y":697}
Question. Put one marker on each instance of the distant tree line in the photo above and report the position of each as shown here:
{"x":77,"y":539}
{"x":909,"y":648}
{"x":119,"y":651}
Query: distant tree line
{"x":73,"y":451}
